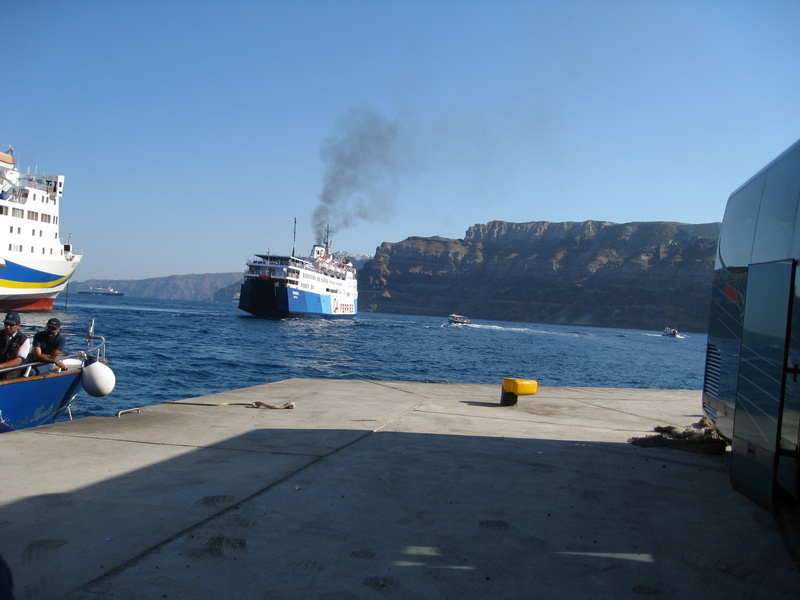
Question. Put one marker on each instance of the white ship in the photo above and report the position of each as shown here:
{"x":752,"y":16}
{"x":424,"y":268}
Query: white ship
{"x":109,"y":291}
{"x":286,"y":286}
{"x":35,"y":264}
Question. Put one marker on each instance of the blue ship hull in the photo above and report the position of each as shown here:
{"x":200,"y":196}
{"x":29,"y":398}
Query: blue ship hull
{"x":36,"y":400}
{"x":268,"y":298}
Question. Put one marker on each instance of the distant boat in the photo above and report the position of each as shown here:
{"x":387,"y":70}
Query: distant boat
{"x":459,"y":320}
{"x":670,"y":332}
{"x":102,"y":292}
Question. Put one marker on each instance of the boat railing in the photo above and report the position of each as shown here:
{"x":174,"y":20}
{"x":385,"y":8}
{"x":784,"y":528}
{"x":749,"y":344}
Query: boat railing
{"x":96,"y":350}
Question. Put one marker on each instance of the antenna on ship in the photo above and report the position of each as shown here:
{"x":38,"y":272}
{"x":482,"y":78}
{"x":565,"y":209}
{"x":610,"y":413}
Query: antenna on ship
{"x":294,"y":236}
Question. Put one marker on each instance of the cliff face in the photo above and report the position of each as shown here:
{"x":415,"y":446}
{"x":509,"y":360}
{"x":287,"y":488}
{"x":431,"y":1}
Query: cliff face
{"x":632,"y":275}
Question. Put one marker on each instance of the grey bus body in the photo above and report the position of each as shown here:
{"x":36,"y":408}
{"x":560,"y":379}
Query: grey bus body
{"x":751,"y":387}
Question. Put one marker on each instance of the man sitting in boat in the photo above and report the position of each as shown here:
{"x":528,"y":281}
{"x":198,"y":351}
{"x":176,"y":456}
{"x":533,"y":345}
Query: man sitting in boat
{"x":49,"y":344}
{"x":14,"y":346}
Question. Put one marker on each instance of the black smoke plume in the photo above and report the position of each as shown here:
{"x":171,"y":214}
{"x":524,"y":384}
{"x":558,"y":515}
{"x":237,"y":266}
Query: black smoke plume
{"x":364,"y":161}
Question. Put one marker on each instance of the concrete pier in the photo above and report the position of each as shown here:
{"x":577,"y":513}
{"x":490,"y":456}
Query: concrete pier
{"x":382,"y":489}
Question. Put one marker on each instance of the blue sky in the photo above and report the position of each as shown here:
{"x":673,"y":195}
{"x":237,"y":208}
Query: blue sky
{"x":193,"y":133}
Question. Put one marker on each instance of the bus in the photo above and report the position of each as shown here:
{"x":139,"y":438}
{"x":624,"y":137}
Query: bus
{"x":751,"y":390}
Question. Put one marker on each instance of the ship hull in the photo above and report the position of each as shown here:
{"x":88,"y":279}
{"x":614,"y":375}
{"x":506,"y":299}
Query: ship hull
{"x":33,"y":285}
{"x":271,"y":299}
{"x":38,"y":400}
{"x":27,"y":303}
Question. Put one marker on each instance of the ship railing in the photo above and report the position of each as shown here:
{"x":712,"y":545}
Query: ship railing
{"x":261,"y":273}
{"x":262,"y":263}
{"x":274,"y":259}
{"x":95,"y":350}
{"x":271,"y":270}
{"x":12,"y":192}
{"x":40,"y":183}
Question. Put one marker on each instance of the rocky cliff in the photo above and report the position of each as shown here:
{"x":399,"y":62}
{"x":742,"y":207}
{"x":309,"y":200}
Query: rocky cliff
{"x":632,"y":275}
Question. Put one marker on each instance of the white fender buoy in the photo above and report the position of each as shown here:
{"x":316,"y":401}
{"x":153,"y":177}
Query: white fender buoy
{"x":98,"y":379}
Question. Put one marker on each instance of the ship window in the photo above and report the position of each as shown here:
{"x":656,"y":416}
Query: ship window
{"x":32,"y":249}
{"x":3,"y":210}
{"x":33,"y":216}
{"x":45,"y":218}
{"x":17,"y":212}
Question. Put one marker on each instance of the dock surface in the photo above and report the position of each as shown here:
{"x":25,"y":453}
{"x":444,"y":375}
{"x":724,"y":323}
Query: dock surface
{"x":383,"y":489}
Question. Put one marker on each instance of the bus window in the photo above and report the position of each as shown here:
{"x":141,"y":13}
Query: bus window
{"x":739,"y":225}
{"x":778,"y":213}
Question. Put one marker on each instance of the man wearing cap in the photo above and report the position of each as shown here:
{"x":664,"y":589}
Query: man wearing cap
{"x":14,"y":345}
{"x":49,"y":344}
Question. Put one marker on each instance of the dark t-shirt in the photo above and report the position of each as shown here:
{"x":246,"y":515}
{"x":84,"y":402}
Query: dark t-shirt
{"x":41,"y":340}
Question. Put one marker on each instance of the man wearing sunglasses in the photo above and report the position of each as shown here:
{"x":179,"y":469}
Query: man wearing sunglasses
{"x":49,"y":344}
{"x":14,"y":346}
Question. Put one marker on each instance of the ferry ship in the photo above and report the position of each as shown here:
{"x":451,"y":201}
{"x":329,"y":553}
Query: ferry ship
{"x":35,"y":265}
{"x":287,"y":286}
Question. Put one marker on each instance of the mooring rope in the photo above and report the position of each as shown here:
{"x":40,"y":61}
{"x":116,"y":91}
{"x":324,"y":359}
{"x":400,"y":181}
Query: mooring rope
{"x":255,"y":404}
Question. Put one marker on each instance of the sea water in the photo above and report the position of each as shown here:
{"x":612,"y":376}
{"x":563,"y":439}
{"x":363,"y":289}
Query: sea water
{"x":163,"y":350}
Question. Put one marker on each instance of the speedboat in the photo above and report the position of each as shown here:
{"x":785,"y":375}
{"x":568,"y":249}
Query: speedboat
{"x":37,"y":394}
{"x":458,"y":320}
{"x":670,"y":332}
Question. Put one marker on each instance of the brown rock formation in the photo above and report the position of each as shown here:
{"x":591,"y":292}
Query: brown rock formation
{"x":632,"y":275}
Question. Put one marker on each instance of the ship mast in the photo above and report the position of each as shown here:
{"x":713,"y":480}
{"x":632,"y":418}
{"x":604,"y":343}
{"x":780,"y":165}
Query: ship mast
{"x":327,"y":242}
{"x":294,"y":236}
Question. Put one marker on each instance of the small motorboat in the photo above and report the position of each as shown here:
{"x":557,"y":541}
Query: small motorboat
{"x":669,"y":332}
{"x":459,"y":320}
{"x":36,"y":394}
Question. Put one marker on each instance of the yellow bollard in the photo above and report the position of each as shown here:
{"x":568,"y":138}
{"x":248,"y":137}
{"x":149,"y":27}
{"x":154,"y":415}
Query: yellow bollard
{"x":513,"y":387}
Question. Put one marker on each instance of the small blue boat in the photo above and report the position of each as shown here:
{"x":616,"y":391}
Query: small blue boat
{"x":40,"y":395}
